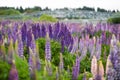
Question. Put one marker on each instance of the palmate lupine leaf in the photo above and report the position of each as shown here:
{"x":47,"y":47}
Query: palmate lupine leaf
{"x":94,"y":66}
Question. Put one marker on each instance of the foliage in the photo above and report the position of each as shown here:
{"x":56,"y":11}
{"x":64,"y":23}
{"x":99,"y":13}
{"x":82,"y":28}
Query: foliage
{"x":98,"y":33}
{"x":4,"y":70}
{"x":85,"y":63}
{"x":104,"y":53}
{"x":9,"y":12}
{"x":88,"y":75}
{"x":115,"y":20}
{"x":55,"y":50}
{"x":22,"y":67}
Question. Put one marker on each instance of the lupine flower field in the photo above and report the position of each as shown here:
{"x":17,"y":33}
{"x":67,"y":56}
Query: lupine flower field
{"x":59,"y":51}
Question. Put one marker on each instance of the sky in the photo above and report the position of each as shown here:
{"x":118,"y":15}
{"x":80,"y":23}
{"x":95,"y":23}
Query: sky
{"x":53,"y":4}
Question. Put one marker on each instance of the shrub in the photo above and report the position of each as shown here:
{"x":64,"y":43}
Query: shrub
{"x":114,"y":20}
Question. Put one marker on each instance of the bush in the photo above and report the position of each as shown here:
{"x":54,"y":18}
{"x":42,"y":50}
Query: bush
{"x":4,"y":70}
{"x":114,"y":20}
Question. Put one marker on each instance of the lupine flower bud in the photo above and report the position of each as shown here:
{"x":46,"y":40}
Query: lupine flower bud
{"x":57,"y":74}
{"x":10,"y":52}
{"x":61,"y":65}
{"x":2,"y":52}
{"x":94,"y":66}
{"x":48,"y":67}
{"x":101,"y":70}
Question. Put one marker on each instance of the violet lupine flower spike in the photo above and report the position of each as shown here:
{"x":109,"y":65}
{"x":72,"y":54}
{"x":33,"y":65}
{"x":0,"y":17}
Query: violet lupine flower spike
{"x":32,"y":65}
{"x":117,"y":62}
{"x":47,"y":48}
{"x":110,"y":72}
{"x":75,"y":69}
{"x":13,"y":74}
{"x":20,"y":47}
{"x":33,"y":45}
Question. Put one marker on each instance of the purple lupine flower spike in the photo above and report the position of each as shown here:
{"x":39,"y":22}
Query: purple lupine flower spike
{"x":20,"y":46}
{"x":76,"y":67}
{"x":47,"y":48}
{"x":33,"y":45}
{"x":32,"y":65}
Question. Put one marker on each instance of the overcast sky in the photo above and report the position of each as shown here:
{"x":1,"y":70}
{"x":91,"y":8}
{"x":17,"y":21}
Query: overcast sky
{"x":106,"y":4}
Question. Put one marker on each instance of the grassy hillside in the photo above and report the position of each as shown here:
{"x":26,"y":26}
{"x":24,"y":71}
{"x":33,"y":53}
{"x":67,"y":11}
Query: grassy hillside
{"x":47,"y":18}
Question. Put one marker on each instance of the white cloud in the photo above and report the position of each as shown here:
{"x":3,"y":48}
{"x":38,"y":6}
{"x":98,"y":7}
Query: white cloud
{"x":107,"y":4}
